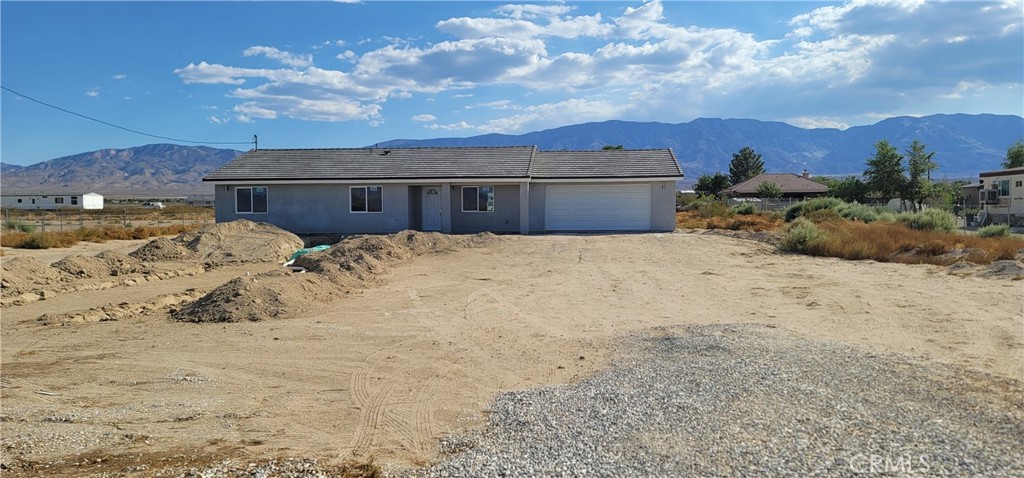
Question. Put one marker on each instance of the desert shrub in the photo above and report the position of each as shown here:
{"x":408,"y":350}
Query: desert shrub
{"x":38,"y":240}
{"x":929,"y":220}
{"x":803,"y":236}
{"x":995,"y":230}
{"x":708,"y":209}
{"x":803,"y":208}
{"x":13,"y":238}
{"x":19,"y":226}
{"x":744,"y":209}
{"x":858,"y":212}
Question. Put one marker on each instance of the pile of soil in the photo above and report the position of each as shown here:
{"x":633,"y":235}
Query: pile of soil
{"x":275,"y":294}
{"x":239,"y":242}
{"x":162,"y":249}
{"x":358,"y":258}
{"x":1006,"y":269}
{"x":104,"y":264}
{"x":350,"y":263}
{"x":21,"y":274}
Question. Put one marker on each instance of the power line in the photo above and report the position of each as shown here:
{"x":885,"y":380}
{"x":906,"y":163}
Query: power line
{"x":117,"y":126}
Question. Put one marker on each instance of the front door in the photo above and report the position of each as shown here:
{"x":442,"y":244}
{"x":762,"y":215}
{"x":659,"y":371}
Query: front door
{"x":431,"y":208}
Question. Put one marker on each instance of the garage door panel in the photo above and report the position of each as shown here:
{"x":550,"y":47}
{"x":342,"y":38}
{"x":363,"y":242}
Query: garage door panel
{"x":611,"y":207}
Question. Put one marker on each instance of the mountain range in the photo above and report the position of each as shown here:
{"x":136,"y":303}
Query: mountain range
{"x":159,"y":170}
{"x":963,"y":144}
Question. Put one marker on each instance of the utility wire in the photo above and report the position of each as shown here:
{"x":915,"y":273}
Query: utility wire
{"x":120,"y":127}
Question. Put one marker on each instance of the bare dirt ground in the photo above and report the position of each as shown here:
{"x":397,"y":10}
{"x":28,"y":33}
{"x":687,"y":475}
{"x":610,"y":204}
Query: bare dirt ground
{"x":104,"y":381}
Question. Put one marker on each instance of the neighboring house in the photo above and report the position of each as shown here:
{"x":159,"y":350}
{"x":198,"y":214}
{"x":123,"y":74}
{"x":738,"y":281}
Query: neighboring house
{"x":971,"y":195}
{"x":792,"y":186}
{"x":1002,"y":195}
{"x":454,"y":190}
{"x":52,"y":201}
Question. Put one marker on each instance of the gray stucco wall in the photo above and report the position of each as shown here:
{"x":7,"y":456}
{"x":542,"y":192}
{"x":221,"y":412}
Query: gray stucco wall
{"x":504,"y":218}
{"x":663,"y":206}
{"x":320,"y":208}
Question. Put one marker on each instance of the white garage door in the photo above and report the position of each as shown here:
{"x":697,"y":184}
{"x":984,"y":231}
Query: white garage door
{"x":598,"y":207}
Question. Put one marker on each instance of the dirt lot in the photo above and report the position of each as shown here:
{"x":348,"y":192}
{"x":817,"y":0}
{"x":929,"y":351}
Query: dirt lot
{"x":380,"y":367}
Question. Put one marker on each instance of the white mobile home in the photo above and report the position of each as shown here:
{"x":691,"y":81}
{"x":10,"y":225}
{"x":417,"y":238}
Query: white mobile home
{"x":52,"y":201}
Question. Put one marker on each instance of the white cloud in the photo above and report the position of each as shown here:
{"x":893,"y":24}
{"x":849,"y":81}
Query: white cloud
{"x":450,"y":127}
{"x":93,"y":92}
{"x":636,"y":61}
{"x":426,"y":118}
{"x":217,"y":120}
{"x":286,"y":58}
{"x":570,"y":111}
{"x":120,"y":76}
{"x":820,"y":122}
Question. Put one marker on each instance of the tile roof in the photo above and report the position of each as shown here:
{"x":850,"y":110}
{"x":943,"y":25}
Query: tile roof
{"x":377,"y":163}
{"x":440,"y":163}
{"x":789,"y":183}
{"x":636,"y":163}
{"x":1002,"y":172}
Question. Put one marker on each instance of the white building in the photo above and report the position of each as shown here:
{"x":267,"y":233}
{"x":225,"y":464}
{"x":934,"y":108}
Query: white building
{"x":1002,"y":196}
{"x":52,"y":201}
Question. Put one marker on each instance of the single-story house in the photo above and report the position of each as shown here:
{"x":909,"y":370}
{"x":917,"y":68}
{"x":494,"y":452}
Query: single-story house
{"x":453,"y":190}
{"x":792,"y":186}
{"x":203,"y":200}
{"x":52,"y":201}
{"x":1002,"y":195}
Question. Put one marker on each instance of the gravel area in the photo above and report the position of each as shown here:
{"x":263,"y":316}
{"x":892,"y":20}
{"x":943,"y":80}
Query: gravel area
{"x":749,"y":400}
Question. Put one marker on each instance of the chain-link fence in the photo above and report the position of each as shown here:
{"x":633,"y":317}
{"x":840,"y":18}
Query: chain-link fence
{"x":72,"y":219}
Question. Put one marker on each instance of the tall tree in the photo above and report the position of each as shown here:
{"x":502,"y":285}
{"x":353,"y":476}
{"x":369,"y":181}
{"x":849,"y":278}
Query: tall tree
{"x":1014,"y":156}
{"x":920,"y":165}
{"x":745,"y":165}
{"x":884,"y":174}
{"x":711,"y":185}
{"x":849,"y":189}
{"x":769,"y":190}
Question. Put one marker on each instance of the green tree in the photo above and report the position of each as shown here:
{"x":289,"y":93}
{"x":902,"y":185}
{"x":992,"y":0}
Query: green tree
{"x":884,"y":174}
{"x":849,"y":189}
{"x":609,"y":147}
{"x":711,"y":184}
{"x":1014,"y":156}
{"x":769,"y":190}
{"x":919,"y":169}
{"x":745,"y":165}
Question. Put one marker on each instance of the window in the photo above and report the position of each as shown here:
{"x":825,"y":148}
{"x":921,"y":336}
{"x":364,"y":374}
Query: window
{"x":1004,"y":187}
{"x":1018,"y":184}
{"x":367,"y":198}
{"x":74,"y":200}
{"x":251,"y":200}
{"x":19,"y":200}
{"x":477,"y":198}
{"x":58,"y":200}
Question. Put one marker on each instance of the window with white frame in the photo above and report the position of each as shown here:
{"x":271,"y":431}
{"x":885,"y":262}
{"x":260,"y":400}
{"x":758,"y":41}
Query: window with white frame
{"x":477,"y":198}
{"x":1004,"y":187}
{"x":251,"y":200}
{"x":366,"y":198}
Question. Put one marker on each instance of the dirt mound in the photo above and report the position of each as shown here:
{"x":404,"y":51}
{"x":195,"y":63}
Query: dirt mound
{"x":275,"y":294}
{"x":104,"y":264}
{"x":162,"y":249}
{"x":241,"y":241}
{"x":21,"y":274}
{"x":359,"y":258}
{"x":1003,"y":270}
{"x":82,"y":266}
{"x":119,"y":263}
{"x":350,"y":263}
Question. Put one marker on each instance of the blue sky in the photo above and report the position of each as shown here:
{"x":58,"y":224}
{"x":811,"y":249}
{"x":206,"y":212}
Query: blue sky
{"x":339,"y":74}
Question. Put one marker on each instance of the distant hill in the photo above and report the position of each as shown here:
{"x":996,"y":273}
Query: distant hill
{"x":153,"y":169}
{"x":964,"y":144}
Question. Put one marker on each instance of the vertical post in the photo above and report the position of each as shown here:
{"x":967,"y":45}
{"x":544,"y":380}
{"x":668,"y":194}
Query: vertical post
{"x":124,"y":212}
{"x":60,"y":220}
